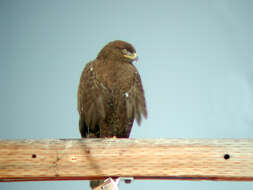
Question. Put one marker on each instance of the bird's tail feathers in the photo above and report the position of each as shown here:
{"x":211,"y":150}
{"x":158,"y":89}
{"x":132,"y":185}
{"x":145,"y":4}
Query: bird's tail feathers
{"x":95,"y":183}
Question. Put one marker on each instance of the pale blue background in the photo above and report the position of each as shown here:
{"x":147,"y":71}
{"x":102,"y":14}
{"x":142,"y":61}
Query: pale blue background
{"x":196,"y":64}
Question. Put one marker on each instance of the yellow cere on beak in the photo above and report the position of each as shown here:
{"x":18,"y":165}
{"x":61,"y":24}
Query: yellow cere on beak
{"x":132,"y":56}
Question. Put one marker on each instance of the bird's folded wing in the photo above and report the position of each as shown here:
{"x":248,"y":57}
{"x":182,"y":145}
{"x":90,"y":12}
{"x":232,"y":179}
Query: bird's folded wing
{"x":135,"y":100}
{"x":90,"y":97}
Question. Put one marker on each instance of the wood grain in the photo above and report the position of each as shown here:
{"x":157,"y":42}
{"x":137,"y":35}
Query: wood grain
{"x":83,"y":159}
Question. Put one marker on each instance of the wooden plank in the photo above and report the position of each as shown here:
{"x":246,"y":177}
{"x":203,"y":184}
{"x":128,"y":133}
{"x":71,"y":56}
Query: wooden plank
{"x":84,"y":159}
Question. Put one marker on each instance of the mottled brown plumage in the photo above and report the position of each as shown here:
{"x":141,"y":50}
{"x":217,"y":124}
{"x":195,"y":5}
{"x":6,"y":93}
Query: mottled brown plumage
{"x":110,"y":93}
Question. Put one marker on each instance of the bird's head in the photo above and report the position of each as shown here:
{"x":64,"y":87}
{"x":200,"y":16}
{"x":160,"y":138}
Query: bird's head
{"x":118,"y":50}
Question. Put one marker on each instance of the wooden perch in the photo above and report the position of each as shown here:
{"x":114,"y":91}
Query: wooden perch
{"x":84,"y":159}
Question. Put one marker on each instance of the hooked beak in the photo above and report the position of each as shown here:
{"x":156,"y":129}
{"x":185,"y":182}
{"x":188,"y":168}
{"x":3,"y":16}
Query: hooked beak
{"x":132,"y":56}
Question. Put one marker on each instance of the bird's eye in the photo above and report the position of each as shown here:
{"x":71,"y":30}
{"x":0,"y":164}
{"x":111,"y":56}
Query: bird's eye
{"x":124,"y":51}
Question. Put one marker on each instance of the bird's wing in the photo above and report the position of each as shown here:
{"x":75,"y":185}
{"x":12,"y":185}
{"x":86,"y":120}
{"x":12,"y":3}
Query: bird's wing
{"x":90,"y":99}
{"x":135,"y":100}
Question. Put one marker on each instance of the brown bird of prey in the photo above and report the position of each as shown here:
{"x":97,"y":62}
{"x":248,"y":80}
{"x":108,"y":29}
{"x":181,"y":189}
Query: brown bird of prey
{"x":110,"y":94}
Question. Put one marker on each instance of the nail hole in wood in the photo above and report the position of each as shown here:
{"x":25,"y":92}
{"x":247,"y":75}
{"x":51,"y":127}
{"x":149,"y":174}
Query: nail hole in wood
{"x":226,"y":156}
{"x":34,"y":156}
